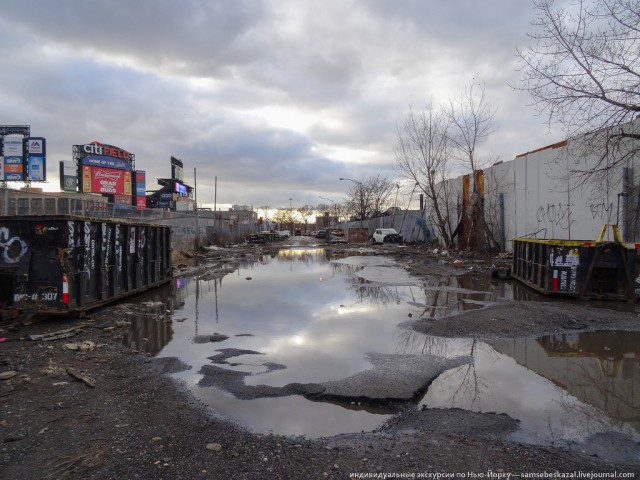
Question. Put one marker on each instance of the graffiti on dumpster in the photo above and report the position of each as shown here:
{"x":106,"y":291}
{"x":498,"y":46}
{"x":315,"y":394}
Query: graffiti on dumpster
{"x":13,"y":248}
{"x":90,"y":252}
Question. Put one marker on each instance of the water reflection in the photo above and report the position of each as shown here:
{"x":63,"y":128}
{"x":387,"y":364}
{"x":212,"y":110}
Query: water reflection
{"x":318,"y":317}
{"x":557,"y":398}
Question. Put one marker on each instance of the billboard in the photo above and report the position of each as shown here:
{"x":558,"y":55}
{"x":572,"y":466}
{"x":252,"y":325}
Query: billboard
{"x":107,"y":181}
{"x":141,"y":190}
{"x":13,"y":158}
{"x":36,"y":159}
{"x":68,"y":176}
{"x":177,"y":169}
{"x":104,"y":169}
{"x":180,"y":189}
{"x":36,"y":170}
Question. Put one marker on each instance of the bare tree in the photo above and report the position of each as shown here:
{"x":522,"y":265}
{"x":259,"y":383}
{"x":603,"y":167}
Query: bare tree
{"x":368,"y":197}
{"x":422,"y":155}
{"x":472,"y":122}
{"x":582,"y":70}
{"x":305,"y":212}
{"x":380,"y":189}
{"x":282,"y":216}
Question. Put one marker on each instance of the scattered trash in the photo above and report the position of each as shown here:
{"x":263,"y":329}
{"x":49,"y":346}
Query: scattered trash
{"x":66,"y":333}
{"x":90,"y":382}
{"x":458,"y":263}
{"x":86,"y":345}
{"x":499,"y":271}
{"x":214,"y":447}
{"x":7,"y":375}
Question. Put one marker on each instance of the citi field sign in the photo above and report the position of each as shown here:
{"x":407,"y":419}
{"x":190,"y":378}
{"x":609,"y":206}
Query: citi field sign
{"x":104,"y":168}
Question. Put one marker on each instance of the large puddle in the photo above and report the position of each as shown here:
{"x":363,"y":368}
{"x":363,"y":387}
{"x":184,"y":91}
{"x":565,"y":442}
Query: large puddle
{"x":301,"y":317}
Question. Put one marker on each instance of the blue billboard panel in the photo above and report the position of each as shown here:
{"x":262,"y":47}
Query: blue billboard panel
{"x":36,"y":170}
{"x":141,"y":183}
{"x":106,"y":162}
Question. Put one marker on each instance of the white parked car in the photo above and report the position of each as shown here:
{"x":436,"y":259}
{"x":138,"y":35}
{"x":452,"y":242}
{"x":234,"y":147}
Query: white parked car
{"x":386,"y":235}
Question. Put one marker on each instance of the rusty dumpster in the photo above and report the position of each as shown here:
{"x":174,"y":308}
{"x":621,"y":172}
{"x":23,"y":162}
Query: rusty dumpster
{"x":54,"y":265}
{"x":587,"y":269}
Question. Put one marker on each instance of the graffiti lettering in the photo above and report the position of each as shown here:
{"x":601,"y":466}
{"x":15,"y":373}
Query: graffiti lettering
{"x":13,"y":248}
{"x":540,"y":234}
{"x":118,"y":248}
{"x":602,"y":210}
{"x":558,"y":215}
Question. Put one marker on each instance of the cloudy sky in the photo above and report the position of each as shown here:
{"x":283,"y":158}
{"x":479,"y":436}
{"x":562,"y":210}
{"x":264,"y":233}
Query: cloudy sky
{"x":278,"y":99}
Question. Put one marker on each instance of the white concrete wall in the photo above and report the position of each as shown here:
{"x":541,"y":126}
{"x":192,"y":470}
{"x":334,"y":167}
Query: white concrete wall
{"x":541,"y":202}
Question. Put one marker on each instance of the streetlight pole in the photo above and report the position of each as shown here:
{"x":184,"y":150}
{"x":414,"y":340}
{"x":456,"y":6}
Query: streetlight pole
{"x":361,"y":192}
{"x":291,"y":218}
{"x":335,"y":210}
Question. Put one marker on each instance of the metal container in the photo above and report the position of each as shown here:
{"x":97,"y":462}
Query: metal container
{"x":54,"y":265}
{"x":579,"y":268}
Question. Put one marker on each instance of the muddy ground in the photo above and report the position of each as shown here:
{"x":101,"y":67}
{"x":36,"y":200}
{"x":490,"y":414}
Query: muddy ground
{"x":88,"y":407}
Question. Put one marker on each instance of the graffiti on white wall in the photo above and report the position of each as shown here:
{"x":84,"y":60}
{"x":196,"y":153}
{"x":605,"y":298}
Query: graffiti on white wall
{"x":602,"y":210}
{"x":558,"y":215}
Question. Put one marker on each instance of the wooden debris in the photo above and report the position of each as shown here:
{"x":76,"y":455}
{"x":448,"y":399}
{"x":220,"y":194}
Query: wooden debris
{"x":67,"y":332}
{"x":90,"y":382}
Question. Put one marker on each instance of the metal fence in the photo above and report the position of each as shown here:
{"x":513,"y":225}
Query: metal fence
{"x":186,"y":227}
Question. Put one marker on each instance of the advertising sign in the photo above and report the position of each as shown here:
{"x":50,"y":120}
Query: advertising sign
{"x":68,"y":178}
{"x":141,"y":190}
{"x":177,"y":169}
{"x":107,"y":181}
{"x":141,"y":184}
{"x":13,"y":146}
{"x":36,"y":169}
{"x":13,"y":158}
{"x":106,"y":162}
{"x":165,"y":199}
{"x":180,"y":189}
{"x":36,"y":146}
{"x":36,"y":159}
{"x":13,"y":169}
{"x":104,"y":168}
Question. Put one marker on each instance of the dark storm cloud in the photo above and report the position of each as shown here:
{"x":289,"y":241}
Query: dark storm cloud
{"x":278,"y":99}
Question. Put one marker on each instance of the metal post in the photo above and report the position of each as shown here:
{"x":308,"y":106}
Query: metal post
{"x":503,"y":233}
{"x":626,"y":217}
{"x":195,"y":200}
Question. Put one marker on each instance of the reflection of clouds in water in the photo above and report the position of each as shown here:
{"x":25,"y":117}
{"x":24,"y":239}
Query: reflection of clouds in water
{"x":494,"y":382}
{"x":319,"y":320}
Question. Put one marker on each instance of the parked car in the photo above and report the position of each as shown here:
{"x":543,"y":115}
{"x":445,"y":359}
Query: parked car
{"x":321,"y":234}
{"x":284,"y":233}
{"x":298,"y":232}
{"x":386,"y":235}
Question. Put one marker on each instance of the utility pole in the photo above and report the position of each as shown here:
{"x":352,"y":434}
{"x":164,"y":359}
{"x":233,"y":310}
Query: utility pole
{"x":361,"y":192}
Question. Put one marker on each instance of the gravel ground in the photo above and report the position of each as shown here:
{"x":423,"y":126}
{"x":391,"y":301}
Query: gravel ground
{"x":103,"y":411}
